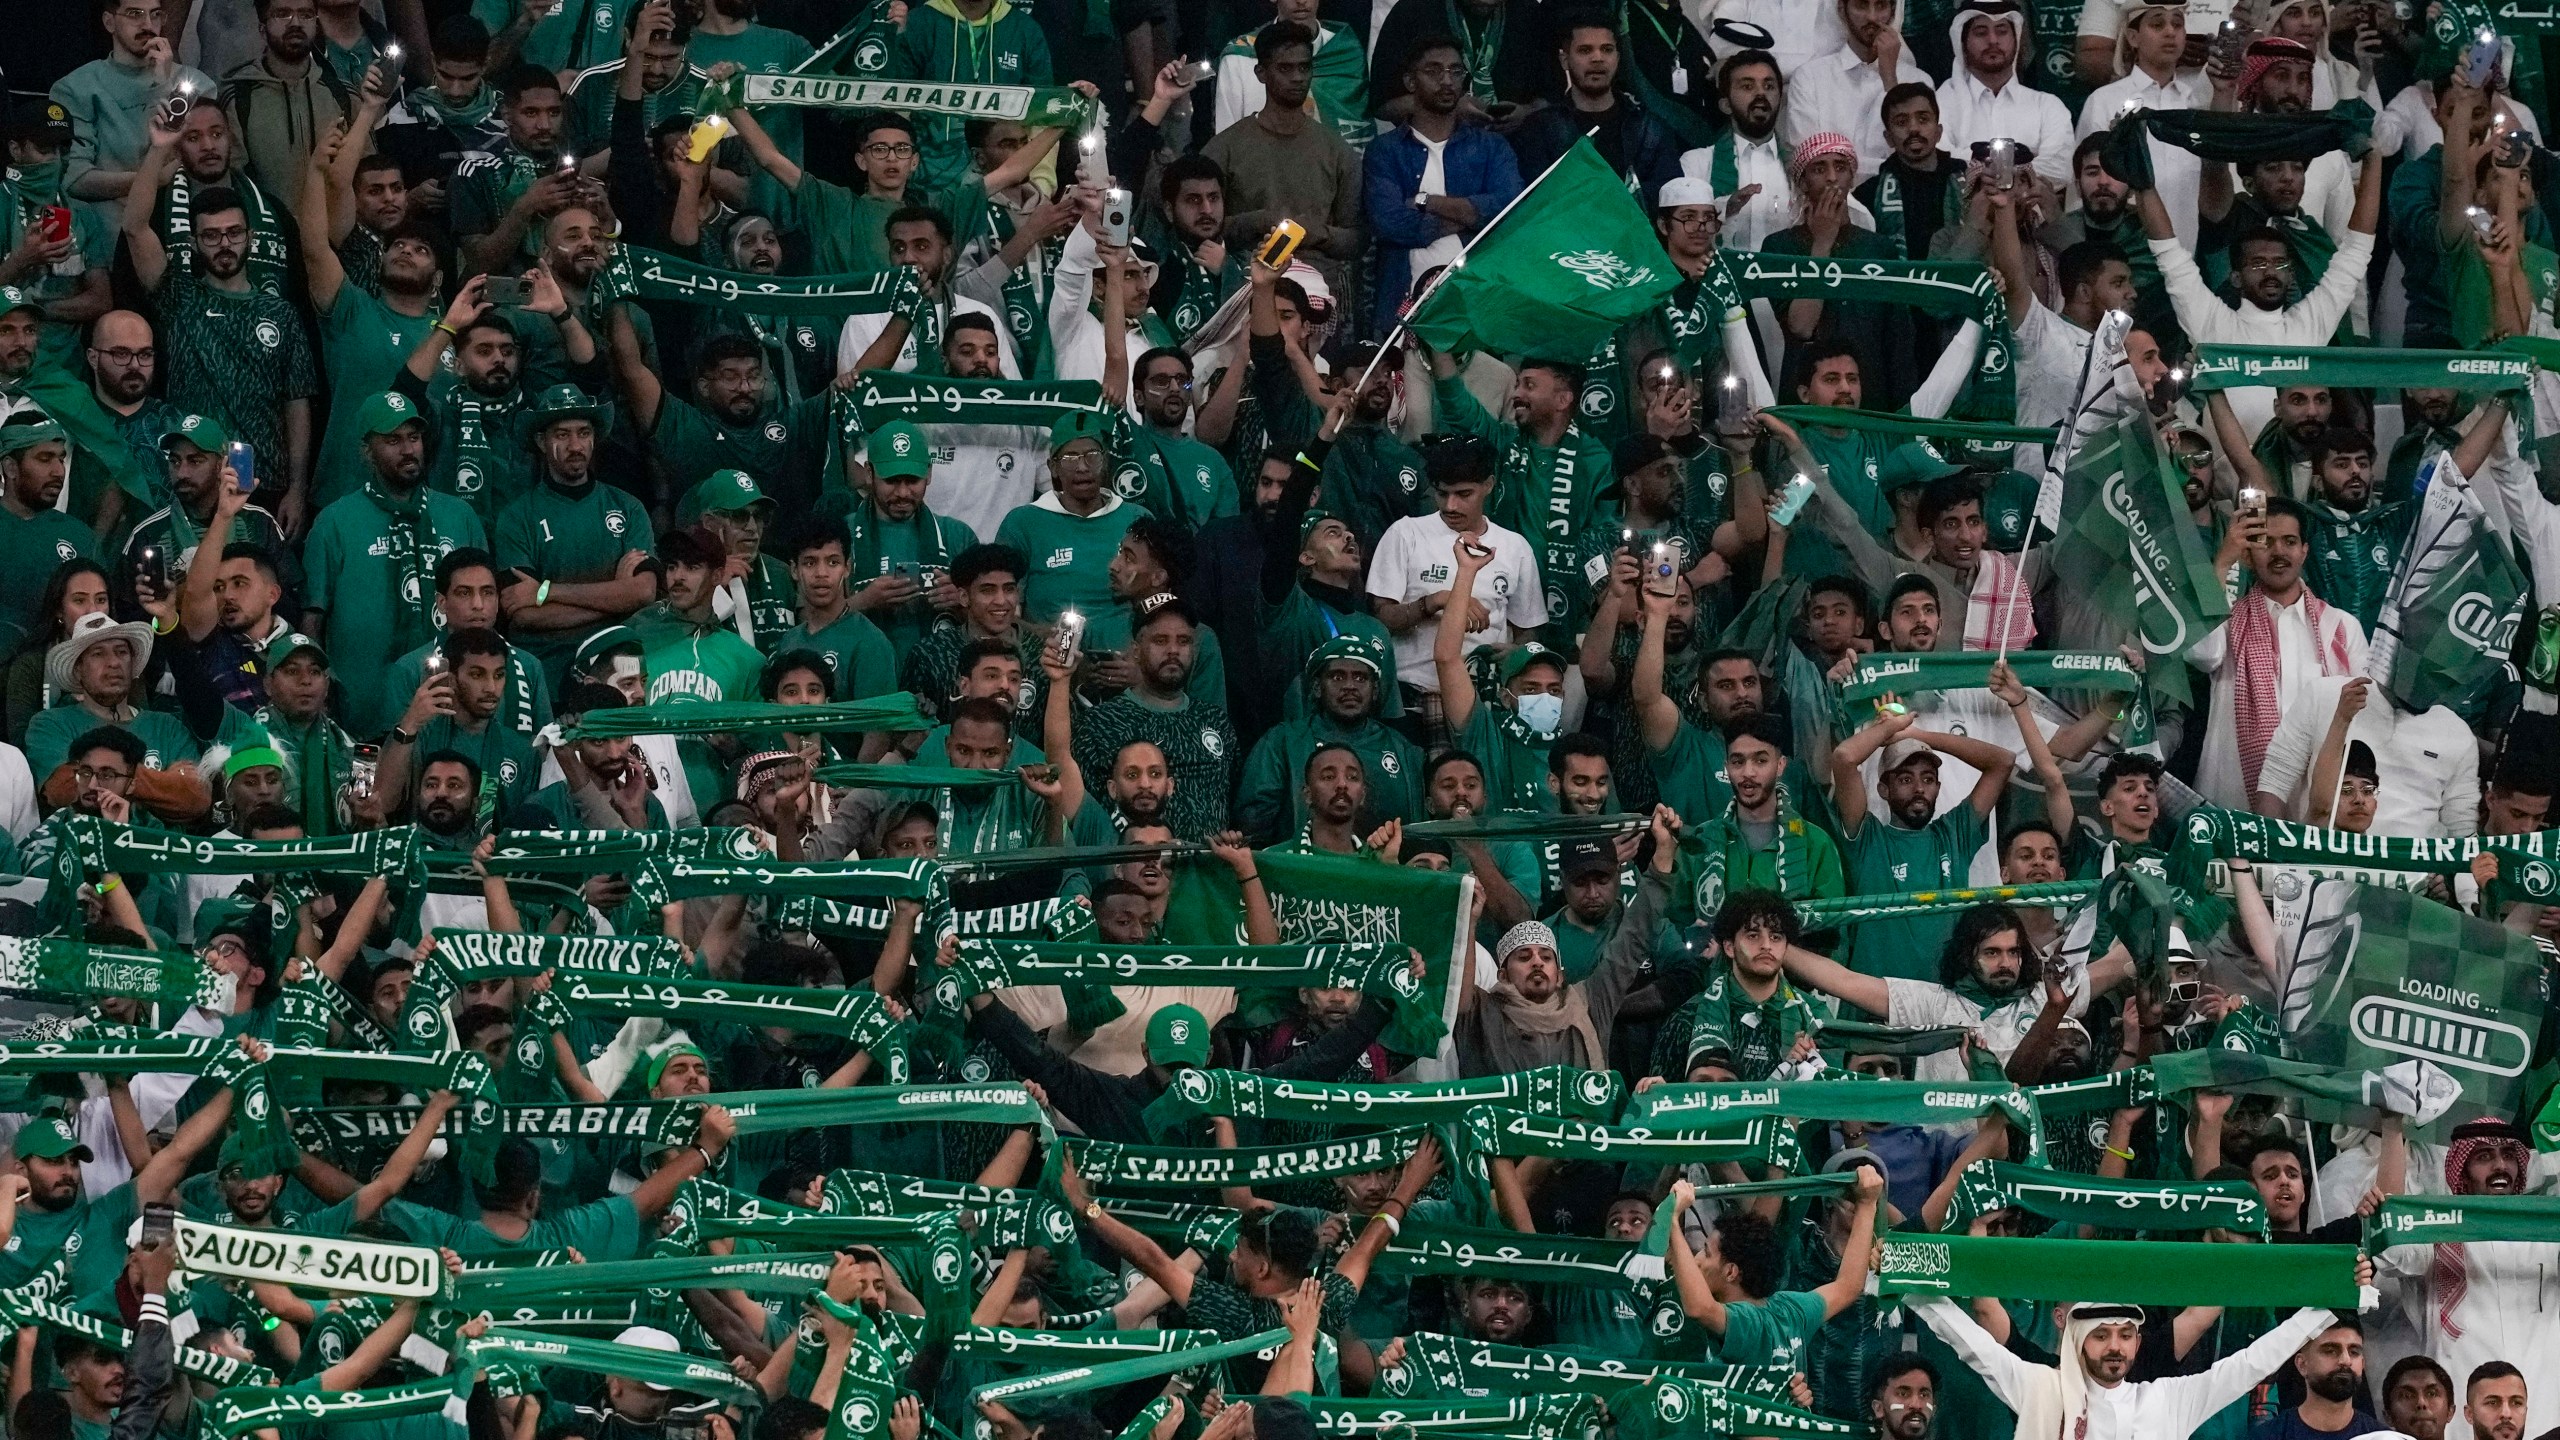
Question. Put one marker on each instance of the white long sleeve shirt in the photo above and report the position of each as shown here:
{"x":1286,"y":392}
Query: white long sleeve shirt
{"x":1074,"y":329}
{"x":2307,"y":323}
{"x":1969,"y":110}
{"x":1762,"y":163}
{"x":2169,"y":1409}
{"x":1838,"y":92}
{"x":2428,"y":765}
{"x":2220,"y":778}
{"x":2176,"y":173}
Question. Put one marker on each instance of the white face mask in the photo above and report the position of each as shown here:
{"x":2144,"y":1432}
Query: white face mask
{"x":1542,"y":713}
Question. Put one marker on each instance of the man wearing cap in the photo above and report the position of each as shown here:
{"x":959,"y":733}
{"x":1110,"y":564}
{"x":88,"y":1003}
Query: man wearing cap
{"x":1070,"y":534}
{"x":1911,"y":846}
{"x":1346,"y":687}
{"x":756,"y":594}
{"x":35,"y":538}
{"x":108,"y":99}
{"x":1594,"y":893}
{"x":367,"y":332}
{"x":456,"y":712}
{"x":1985,"y":99}
{"x":2152,"y":36}
{"x":1702,"y":319}
{"x":898,"y":548}
{"x":1510,"y":737}
{"x":1431,"y":185}
{"x":68,"y":276}
{"x":1197,"y":740}
{"x":1547,"y":484}
{"x":200,"y":498}
{"x":1842,"y":90}
{"x":297,"y":722}
{"x":97,"y":673}
{"x":1151,"y":561}
{"x":571,"y":547}
{"x":1325,"y":604}
{"x":372,"y":556}
{"x":235,"y":348}
{"x":730,"y":423}
{"x":467,"y":375}
{"x":614,"y":657}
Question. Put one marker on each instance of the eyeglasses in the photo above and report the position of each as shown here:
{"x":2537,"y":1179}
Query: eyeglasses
{"x":885,"y":150}
{"x":1078,"y":460}
{"x":228,"y":945}
{"x":1165,"y":382}
{"x":141,"y":16}
{"x":2267,"y":266}
{"x":226,"y":234}
{"x":101,"y":775}
{"x":123,"y":356}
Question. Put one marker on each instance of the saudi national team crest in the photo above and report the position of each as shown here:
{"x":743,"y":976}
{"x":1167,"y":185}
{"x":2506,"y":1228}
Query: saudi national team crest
{"x":1214,"y":743}
{"x":1604,"y":269}
{"x":269,"y":334}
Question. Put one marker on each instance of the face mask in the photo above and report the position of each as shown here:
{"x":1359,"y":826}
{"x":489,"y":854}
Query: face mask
{"x":41,"y":179}
{"x":1542,"y":713}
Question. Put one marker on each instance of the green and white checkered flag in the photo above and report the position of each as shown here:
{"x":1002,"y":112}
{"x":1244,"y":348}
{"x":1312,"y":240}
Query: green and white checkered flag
{"x":2448,"y":623}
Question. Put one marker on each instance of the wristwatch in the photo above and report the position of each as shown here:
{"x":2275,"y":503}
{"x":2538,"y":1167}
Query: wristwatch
{"x":398,"y":736}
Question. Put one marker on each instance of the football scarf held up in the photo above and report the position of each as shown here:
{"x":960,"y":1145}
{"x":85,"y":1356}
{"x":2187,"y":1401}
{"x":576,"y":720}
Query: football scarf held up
{"x":2130,"y":1272}
{"x":21,"y":1308}
{"x":496,"y":953}
{"x":2225,"y":367}
{"x":1962,"y":288}
{"x":1078,"y":1379}
{"x":1246,"y":1095}
{"x":248,"y":1409}
{"x":310,"y":1262}
{"x":1676,"y":1405}
{"x":1156,"y":1167}
{"x":1857,"y":1037}
{"x":1437,"y":1364}
{"x":1819,"y":914}
{"x":1974,"y":434}
{"x":1889,"y":1102}
{"x":2529,"y":863}
{"x":2136,"y":1205}
{"x":1908,"y":674}
{"x":1040,"y":106}
{"x":891,"y":712}
{"x":1519,"y":1417}
{"x":882,"y":395}
{"x":2462,"y":1220}
{"x":1007,"y":1219}
{"x":1381,"y":970}
{"x":651,"y":275}
{"x":662,"y":1369}
{"x":1492,"y":1132}
{"x":651,"y":1124}
{"x":77,"y":970}
{"x":1427,"y":1249}
{"x":92,"y":847}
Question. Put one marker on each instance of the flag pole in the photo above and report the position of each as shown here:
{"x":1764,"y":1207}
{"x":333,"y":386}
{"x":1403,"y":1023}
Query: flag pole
{"x":1455,"y":265}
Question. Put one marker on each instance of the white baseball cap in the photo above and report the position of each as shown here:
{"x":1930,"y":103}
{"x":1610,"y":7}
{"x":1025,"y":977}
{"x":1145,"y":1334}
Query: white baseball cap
{"x":1686,"y":190}
{"x":650,"y":1337}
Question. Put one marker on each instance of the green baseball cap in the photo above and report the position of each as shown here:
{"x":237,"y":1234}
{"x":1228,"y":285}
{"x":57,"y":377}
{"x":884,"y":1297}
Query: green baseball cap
{"x":50,"y":1137}
{"x":244,"y":1159}
{"x":1078,"y":425}
{"x":1526,"y":656}
{"x":386,"y":412}
{"x":604,"y":641}
{"x":1178,"y":1035}
{"x":721,"y":492}
{"x":13,"y":298}
{"x":291,"y":643}
{"x":1912,"y":462}
{"x":898,"y":448}
{"x":202,"y":431}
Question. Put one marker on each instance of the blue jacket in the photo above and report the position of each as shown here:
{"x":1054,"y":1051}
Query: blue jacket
{"x":1478,"y":167}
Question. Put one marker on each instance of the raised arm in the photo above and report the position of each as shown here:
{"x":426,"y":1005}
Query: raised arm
{"x":639,"y":384}
{"x":1848,"y":786}
{"x":1843,"y":1289}
{"x":1448,"y":643}
{"x":150,"y":257}
{"x":1657,"y":714}
{"x":1143,"y":1254}
{"x":2327,"y":767}
{"x":322,"y":274}
{"x":403,"y":1164}
{"x":1364,"y":1252}
{"x":1697,"y":1299}
{"x":1867,"y":992}
{"x":2009,"y":690}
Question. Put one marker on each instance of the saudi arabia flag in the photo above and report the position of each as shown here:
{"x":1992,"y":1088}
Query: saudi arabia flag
{"x":1572,"y":260}
{"x":2448,"y":623}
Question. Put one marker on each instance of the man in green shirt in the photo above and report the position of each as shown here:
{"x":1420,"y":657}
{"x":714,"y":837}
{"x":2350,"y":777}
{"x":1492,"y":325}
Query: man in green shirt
{"x":296,"y":719}
{"x":60,"y":1225}
{"x":1547,"y":485}
{"x":1198,"y":742}
{"x":728,"y":33}
{"x":476,"y":398}
{"x":655,"y":42}
{"x":860,"y":659}
{"x":1069,"y":535}
{"x":98,"y":674}
{"x":967,"y":42}
{"x":571,"y":547}
{"x":200,"y":152}
{"x":456,"y":712}
{"x":1731,"y":1292}
{"x":500,"y":196}
{"x":371,"y":560}
{"x":366,"y":332}
{"x":1345,"y":680}
{"x":1174,"y":476}
{"x":35,"y":538}
{"x":690,"y":653}
{"x":848,"y":230}
{"x":510,"y":1222}
{"x":1911,"y":846}
{"x":233,"y":347}
{"x":731,"y":508}
{"x":900,"y":551}
{"x":989,"y":581}
{"x":467,"y":599}
{"x":731,"y":423}
{"x":1761,"y":840}
{"x":2356,"y":541}
{"x":1511,"y":737}
{"x":191,"y":453}
{"x":124,"y":366}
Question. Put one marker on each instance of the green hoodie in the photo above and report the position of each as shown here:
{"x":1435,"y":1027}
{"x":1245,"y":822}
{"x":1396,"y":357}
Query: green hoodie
{"x":939,"y":43}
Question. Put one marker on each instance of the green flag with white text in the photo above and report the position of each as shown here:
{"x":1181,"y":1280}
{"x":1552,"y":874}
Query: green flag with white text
{"x":1572,"y":261}
{"x":2448,"y":622}
{"x":2130,"y":552}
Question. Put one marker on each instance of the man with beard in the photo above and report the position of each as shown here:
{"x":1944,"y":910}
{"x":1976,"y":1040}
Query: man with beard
{"x":796,"y":352}
{"x":2355,"y":541}
{"x":1371,"y":477}
{"x":201,"y":500}
{"x":1345,"y":681}
{"x":1430,"y":186}
{"x":733,"y":421}
{"x":2152,"y":36}
{"x":2281,"y":637}
{"x":96,"y":678}
{"x":1188,"y":229}
{"x":1198,"y":742}
{"x":1902,"y":1398}
{"x":1334,"y":797}
{"x":2282,"y":446}
{"x":756,"y":592}
{"x":1911,"y":846}
{"x":1747,"y":166}
{"x":2478,"y":1302}
{"x":1548,"y":483}
{"x":1530,"y":1016}
{"x":501,"y":196}
{"x":446,"y":802}
{"x":1637,"y":146}
{"x":467,"y":598}
{"x":456,"y":713}
{"x":1684,"y":740}
{"x":2494,"y":1401}
{"x":203,"y":152}
{"x":690,"y":652}
{"x":861,"y":658}
{"x":108,"y":98}
{"x":35,"y":537}
{"x":372,"y":557}
{"x":366,"y":331}
{"x":2267,"y":313}
{"x":233,"y":1195}
{"x":2417,"y":1398}
{"x":1283,"y":162}
{"x":604,"y":783}
{"x":236,"y":349}
{"x":920,"y":239}
{"x":474,"y":399}
{"x":1324,"y":605}
{"x":1856,"y":90}
{"x":123,"y":362}
{"x":284,"y":101}
{"x":1075,"y":528}
{"x":989,"y":581}
{"x":1012,"y":256}
{"x":2106,"y":212}
{"x":1149,"y":562}
{"x":432,"y":126}
{"x":571,"y":546}
{"x":59,"y":1223}
{"x":297,"y":722}
{"x":1985,"y":99}
{"x":654,"y":72}
{"x":1172,"y":475}
{"x":220,"y":619}
{"x":2430,"y":426}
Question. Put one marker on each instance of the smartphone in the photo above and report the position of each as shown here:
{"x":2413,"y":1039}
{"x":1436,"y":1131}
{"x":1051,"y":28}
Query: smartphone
{"x":907,"y":568}
{"x":1068,"y":638}
{"x":2480,"y":62}
{"x":1119,"y":211}
{"x":1733,"y":407}
{"x":2230,"y":45}
{"x":1791,"y":500}
{"x":1476,"y":551}
{"x":151,"y":566}
{"x":2482,"y":222}
{"x":57,"y":224}
{"x":1198,"y":71}
{"x":159,"y":1225}
{"x":508,"y":290}
{"x":1282,"y":244}
{"x":706,"y":136}
{"x":2004,"y":165}
{"x":242,"y":461}
{"x":433,"y":666}
{"x":2253,"y":501}
{"x":1662,"y":569}
{"x":2511,"y":147}
{"x":174,"y":108}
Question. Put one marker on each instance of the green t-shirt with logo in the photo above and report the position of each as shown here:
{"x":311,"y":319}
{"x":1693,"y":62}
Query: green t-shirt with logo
{"x":865,"y":663}
{"x":87,"y":1236}
{"x":50,"y":735}
{"x":237,"y":357}
{"x":782,"y":448}
{"x":599,"y":1230}
{"x":573,"y":537}
{"x":1070,"y":555}
{"x":1883,"y":858}
{"x":524,"y":706}
{"x":353,"y":580}
{"x":509,"y":768}
{"x":925,"y":544}
{"x":1174,"y":477}
{"x":30,"y":551}
{"x":363,"y":344}
{"x":1852,"y":459}
{"x":1772,"y":1331}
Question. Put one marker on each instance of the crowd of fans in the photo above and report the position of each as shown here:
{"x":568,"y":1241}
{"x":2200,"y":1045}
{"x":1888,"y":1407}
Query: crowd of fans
{"x":351,"y":468}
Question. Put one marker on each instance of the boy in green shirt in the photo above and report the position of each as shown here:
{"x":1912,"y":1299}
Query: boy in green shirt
{"x":860,"y":660}
{"x":848,"y":230}
{"x":1070,"y":535}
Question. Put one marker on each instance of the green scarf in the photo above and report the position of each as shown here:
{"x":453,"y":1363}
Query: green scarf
{"x":984,"y":965}
{"x":1684,"y":1406}
{"x":2225,"y":367}
{"x":651,"y":1124}
{"x":881,"y":395}
{"x":1492,"y":1132}
{"x":1888,"y":1102}
{"x":2114,"y":1090}
{"x":1705,"y":848}
{"x":1819,"y":914}
{"x":977,"y":812}
{"x":1428,"y":1249}
{"x":1961,"y":288}
{"x":2129,"y":1272}
{"x":2462,"y":1220}
{"x":1900,"y":673}
{"x":1039,"y":107}
{"x":1209,"y":1229}
{"x":411,"y":539}
{"x":1480,"y":51}
{"x":270,"y":264}
{"x":1144,"y":1423}
{"x":1026,"y":294}
{"x":1243,"y":1094}
{"x":76,"y":970}
{"x":1525,"y":1417}
{"x":489,"y":952}
{"x":1978,"y":435}
{"x":1007,"y":1219}
{"x":2339,"y":1097}
{"x":251,"y":1408}
{"x":763,"y":1274}
{"x":663,"y":1369}
{"x":650,"y":275}
{"x":91,"y":846}
{"x":1164,"y":1167}
{"x":2208,"y":834}
{"x":1856,"y":1037}
{"x":1078,"y":1379}
{"x":1529,"y":825}
{"x":2150,"y":1207}
{"x":2242,"y":140}
{"x":889,"y":712}
{"x":323,"y":757}
{"x":1890,"y":225}
{"x":1436,"y":1364}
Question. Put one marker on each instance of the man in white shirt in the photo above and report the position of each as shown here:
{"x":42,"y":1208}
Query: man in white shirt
{"x":2280,"y":638}
{"x":1842,"y":90}
{"x":1984,"y":99}
{"x":1747,"y":167}
{"x":2263,"y":264}
{"x":2154,"y":35}
{"x":981,"y":473}
{"x":2094,"y":277}
{"x":919,"y":236}
{"x":1409,"y":576}
{"x":1075,"y":324}
{"x":2426,"y":764}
